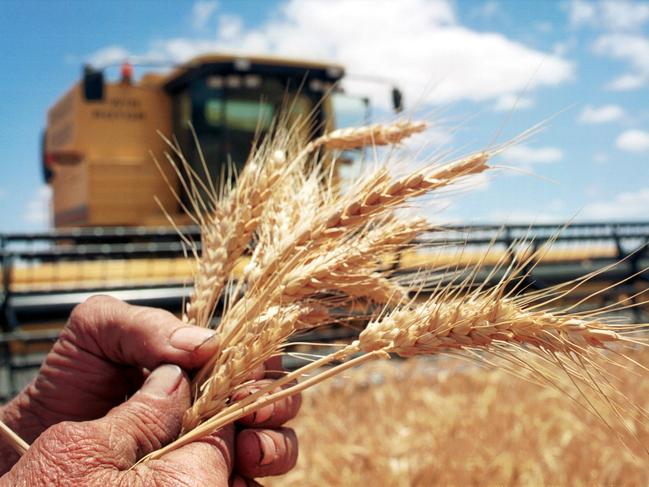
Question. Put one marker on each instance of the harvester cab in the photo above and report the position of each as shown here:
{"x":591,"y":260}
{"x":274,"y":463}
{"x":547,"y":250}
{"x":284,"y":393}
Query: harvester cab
{"x":102,"y":137}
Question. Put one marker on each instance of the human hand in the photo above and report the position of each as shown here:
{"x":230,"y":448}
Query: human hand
{"x":100,"y":359}
{"x":104,"y":451}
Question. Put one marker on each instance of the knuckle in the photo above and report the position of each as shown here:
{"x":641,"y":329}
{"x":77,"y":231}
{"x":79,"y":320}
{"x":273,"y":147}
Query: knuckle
{"x":82,"y":313}
{"x":69,"y":444}
{"x":67,"y":430}
{"x":165,"y":474}
{"x":78,"y":315}
{"x":100,"y":300}
{"x":145,"y":314}
{"x":148,"y":426}
{"x":72,"y":434}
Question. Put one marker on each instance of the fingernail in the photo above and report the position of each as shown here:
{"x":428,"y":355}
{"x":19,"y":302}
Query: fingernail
{"x":163,"y":381}
{"x":264,"y":414}
{"x":268,"y":449}
{"x":189,"y":338}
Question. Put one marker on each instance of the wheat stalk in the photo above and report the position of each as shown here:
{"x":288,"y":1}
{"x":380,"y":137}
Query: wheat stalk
{"x":11,"y":437}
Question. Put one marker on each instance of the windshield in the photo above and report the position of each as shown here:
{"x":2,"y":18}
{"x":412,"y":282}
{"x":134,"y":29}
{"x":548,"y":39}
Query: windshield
{"x":246,"y":115}
{"x":230,"y":115}
{"x":350,"y":111}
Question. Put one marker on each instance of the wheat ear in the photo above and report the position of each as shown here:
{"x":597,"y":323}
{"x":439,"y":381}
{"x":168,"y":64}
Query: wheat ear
{"x":369,"y":135}
{"x":476,"y":322}
{"x":227,"y":233}
{"x":377,"y":196}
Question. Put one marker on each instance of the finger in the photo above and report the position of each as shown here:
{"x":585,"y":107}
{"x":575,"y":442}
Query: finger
{"x":268,"y":369}
{"x":274,"y":368}
{"x":208,"y":461}
{"x":258,"y":372}
{"x":263,"y":452}
{"x":136,"y":335}
{"x":151,"y":418}
{"x":272,"y":415}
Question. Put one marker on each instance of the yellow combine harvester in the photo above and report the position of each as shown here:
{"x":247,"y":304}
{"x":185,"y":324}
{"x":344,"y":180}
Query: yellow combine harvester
{"x":101,"y":137}
{"x":98,"y":155}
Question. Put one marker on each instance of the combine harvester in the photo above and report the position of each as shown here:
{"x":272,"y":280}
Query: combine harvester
{"x":111,"y":236}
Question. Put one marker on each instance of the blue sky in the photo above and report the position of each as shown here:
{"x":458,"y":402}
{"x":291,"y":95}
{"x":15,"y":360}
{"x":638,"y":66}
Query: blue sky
{"x":583,"y":67}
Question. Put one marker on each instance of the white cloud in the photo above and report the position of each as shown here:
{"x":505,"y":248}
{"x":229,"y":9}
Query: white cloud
{"x":525,"y":156}
{"x":627,"y":82}
{"x":633,"y":141}
{"x":631,"y":48}
{"x":435,"y":136}
{"x":603,"y":114}
{"x":511,"y":101}
{"x":615,"y":15}
{"x":202,"y":12}
{"x":488,"y":9}
{"x":627,"y":205}
{"x":623,"y":15}
{"x":581,"y":13}
{"x":600,"y":157}
{"x":109,"y":55}
{"x":37,"y":212}
{"x":230,"y":27}
{"x":429,"y":49}
{"x":553,"y":211}
{"x":593,"y":190}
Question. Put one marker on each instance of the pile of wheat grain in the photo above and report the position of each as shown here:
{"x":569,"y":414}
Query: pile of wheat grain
{"x":425,"y":422}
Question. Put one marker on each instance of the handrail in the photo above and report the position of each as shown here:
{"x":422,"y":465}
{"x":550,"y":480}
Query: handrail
{"x":629,"y":240}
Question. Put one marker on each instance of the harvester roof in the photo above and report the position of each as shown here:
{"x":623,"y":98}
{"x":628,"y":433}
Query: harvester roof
{"x":230,"y":64}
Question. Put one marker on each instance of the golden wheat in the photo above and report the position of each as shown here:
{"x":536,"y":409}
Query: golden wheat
{"x":423,"y":422}
{"x":370,"y":135}
{"x":476,"y":321}
{"x":336,"y":249}
{"x":316,"y":249}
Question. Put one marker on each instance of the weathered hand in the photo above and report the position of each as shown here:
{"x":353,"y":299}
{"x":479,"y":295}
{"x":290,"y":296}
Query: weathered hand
{"x":102,"y":357}
{"x":103,"y":452}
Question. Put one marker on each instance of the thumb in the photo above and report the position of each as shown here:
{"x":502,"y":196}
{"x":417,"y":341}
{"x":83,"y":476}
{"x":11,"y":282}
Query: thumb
{"x":152,"y":417}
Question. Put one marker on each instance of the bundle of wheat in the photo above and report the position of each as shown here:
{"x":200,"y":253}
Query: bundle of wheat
{"x":315,"y":249}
